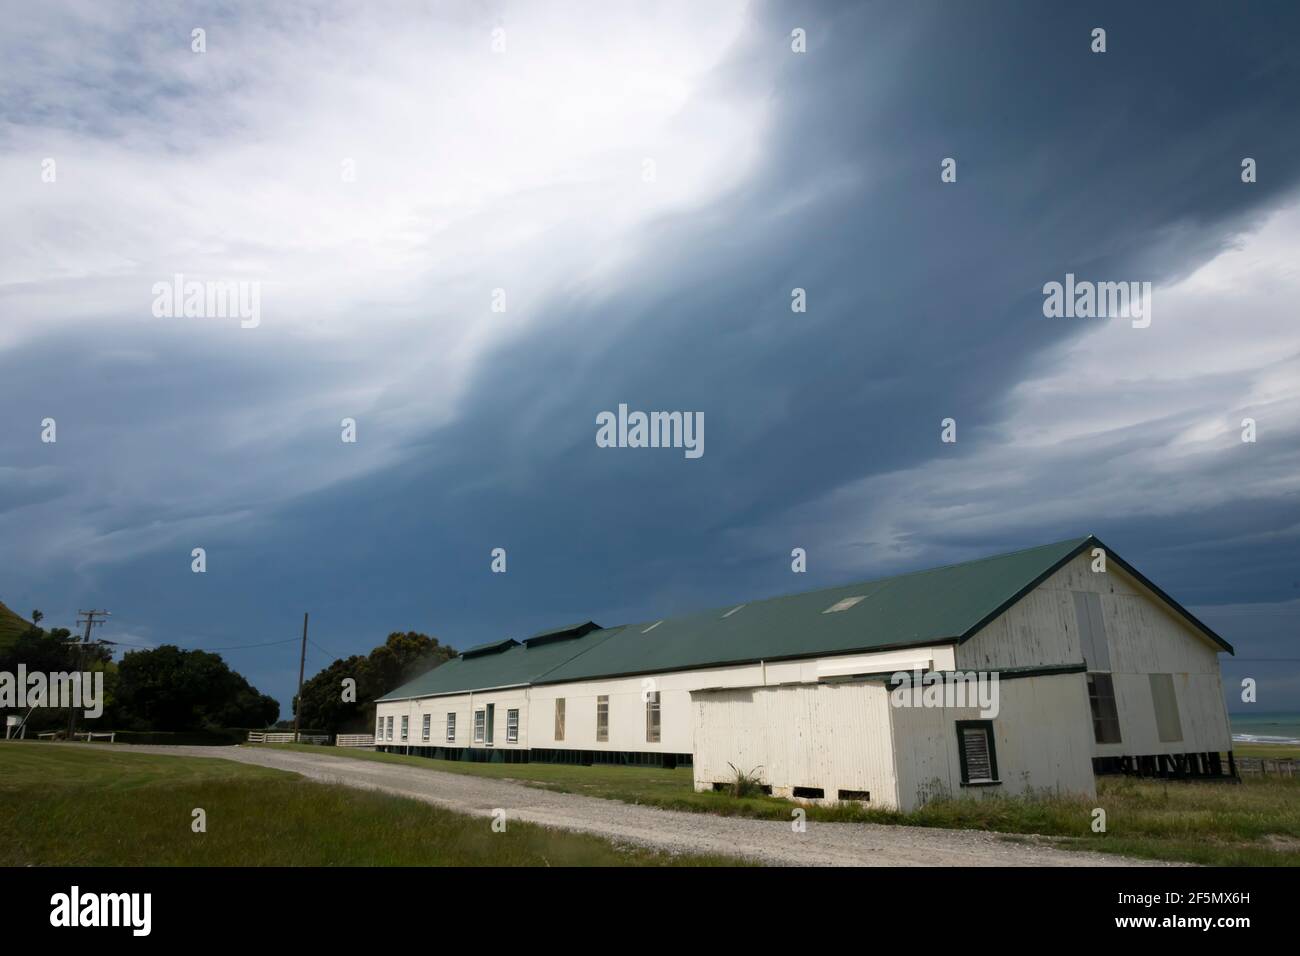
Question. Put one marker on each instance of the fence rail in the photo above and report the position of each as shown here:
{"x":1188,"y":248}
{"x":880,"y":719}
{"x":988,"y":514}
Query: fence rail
{"x":355,"y":740}
{"x":89,"y":737}
{"x":261,"y":737}
{"x":1264,"y":766}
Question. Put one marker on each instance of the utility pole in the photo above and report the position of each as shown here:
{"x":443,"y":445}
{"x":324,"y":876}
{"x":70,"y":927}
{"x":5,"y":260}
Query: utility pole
{"x":302,"y":663}
{"x":90,"y":619}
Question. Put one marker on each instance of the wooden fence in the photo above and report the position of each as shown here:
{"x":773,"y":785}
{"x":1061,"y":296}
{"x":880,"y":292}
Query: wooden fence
{"x":1267,"y":766}
{"x":262,"y":737}
{"x":355,"y":740}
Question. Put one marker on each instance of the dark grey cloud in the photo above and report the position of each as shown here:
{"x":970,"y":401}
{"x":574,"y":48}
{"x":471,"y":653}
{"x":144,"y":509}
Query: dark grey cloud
{"x":924,"y":302}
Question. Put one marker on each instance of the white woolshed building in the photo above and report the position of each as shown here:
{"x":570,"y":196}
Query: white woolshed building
{"x":868,"y":692}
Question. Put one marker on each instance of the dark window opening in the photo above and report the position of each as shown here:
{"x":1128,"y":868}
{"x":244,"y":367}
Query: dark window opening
{"x":812,"y":793}
{"x":976,"y":750}
{"x":864,"y":795}
{"x":1105,"y":717}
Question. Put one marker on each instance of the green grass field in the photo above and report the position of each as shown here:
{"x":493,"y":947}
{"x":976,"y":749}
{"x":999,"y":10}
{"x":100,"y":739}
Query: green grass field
{"x":1255,"y":823}
{"x":71,"y":806}
{"x":1275,"y":751}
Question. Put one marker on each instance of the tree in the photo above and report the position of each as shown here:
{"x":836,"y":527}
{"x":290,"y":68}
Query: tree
{"x":53,"y":652}
{"x":172,"y":689}
{"x":401,"y":657}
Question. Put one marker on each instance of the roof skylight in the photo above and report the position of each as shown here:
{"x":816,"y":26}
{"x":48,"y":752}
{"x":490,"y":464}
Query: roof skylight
{"x":845,"y":604}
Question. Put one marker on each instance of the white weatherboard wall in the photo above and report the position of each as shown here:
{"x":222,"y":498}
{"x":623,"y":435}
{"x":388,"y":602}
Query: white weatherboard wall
{"x":463,"y":706}
{"x":627,"y":722}
{"x":1143,"y":636}
{"x":1042,"y":743}
{"x":849,"y":736}
{"x":832,"y":736}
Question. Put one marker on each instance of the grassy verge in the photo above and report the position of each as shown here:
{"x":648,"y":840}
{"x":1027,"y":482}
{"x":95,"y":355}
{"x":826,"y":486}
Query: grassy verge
{"x":1272,"y":751}
{"x":1256,"y":823}
{"x":66,"y":806}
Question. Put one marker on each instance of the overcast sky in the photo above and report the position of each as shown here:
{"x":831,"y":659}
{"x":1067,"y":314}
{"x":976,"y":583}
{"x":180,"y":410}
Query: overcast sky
{"x":643,"y":186}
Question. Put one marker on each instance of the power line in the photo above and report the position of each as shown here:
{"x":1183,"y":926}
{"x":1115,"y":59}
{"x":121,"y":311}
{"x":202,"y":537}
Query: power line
{"x":324,"y":650}
{"x":154,"y":647}
{"x":235,"y":647}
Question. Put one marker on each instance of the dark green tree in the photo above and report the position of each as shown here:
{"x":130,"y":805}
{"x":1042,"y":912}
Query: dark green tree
{"x":55,"y":651}
{"x":400,"y":658}
{"x":171,"y":689}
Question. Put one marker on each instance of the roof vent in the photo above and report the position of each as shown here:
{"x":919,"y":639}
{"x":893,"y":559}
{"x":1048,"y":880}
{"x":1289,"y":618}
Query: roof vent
{"x":495,"y":647}
{"x":568,"y":632}
{"x":845,"y":604}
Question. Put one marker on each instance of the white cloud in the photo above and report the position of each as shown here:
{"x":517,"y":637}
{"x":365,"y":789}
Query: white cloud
{"x":474,"y":170}
{"x":1116,"y":422}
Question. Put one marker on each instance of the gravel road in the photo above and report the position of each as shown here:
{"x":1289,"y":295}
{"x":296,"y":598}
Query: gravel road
{"x":764,"y":841}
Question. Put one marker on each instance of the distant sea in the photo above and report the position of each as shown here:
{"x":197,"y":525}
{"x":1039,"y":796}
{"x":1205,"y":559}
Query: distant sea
{"x":1280,"y":727}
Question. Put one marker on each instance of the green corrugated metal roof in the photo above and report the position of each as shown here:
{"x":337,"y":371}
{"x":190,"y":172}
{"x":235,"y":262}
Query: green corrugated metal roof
{"x":918,"y":608}
{"x":924,"y":607}
{"x":512,"y":667}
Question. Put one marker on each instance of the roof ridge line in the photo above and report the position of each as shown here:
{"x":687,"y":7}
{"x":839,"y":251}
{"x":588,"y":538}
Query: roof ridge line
{"x":882,"y":580}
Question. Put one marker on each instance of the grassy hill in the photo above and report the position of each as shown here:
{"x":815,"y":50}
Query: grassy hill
{"x":11,"y":625}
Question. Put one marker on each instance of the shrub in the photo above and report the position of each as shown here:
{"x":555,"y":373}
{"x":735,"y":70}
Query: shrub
{"x":746,"y":784}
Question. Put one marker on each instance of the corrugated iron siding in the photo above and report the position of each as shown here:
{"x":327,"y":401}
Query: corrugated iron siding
{"x":1042,"y":738}
{"x":831,"y":736}
{"x":1144,"y":636}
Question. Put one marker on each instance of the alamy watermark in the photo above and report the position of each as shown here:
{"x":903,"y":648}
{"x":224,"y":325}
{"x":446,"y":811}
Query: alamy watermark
{"x":133,"y":911}
{"x":1098,"y":300}
{"x":946,"y":689}
{"x":224,"y":299}
{"x":651,"y":430}
{"x":59,"y":690}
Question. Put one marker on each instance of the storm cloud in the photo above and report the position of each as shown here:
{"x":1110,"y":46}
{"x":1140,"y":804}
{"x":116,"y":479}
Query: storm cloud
{"x":645,"y":191}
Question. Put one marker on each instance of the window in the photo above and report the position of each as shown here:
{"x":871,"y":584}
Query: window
{"x":1092,"y":630}
{"x":652,"y":718}
{"x":1105,"y":718}
{"x":388,"y":732}
{"x":451,"y":728}
{"x":428,"y":725}
{"x":979,"y":761}
{"x":602,"y":718}
{"x":512,"y":726}
{"x":1163,"y":696}
{"x":406,"y":723}
{"x":559,"y":718}
{"x":491,"y":723}
{"x":480,"y":721}
{"x":379,"y":727}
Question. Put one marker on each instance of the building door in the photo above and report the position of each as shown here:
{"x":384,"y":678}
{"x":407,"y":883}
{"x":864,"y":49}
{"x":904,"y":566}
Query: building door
{"x":491,"y":714}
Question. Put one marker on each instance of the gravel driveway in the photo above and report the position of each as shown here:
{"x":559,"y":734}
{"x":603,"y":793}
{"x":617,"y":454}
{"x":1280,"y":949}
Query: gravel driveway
{"x":765,"y":841}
